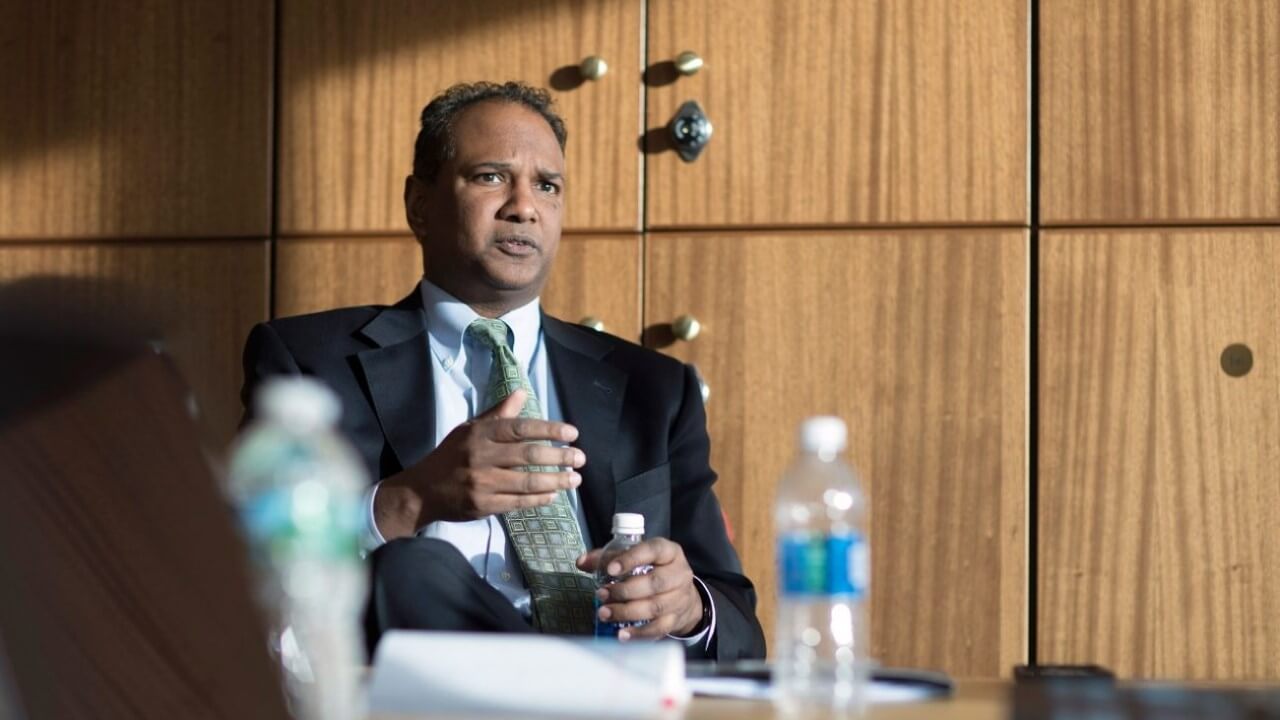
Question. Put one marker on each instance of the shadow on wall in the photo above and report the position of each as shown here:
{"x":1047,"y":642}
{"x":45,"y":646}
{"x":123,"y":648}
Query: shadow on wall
{"x":117,"y":318}
{"x":151,"y":122}
{"x":153,"y":119}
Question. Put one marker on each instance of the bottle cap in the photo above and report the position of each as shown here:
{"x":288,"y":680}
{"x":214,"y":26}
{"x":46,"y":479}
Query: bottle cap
{"x":298,"y":402}
{"x":823,"y":434}
{"x":628,"y":524}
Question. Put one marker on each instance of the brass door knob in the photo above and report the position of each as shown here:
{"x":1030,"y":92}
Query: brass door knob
{"x":593,"y":68}
{"x":686,"y":327}
{"x":592,"y":322}
{"x":688,"y":62}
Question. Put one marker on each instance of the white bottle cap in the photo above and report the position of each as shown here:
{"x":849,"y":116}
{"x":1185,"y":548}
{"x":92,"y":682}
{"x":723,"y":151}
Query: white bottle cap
{"x":823,"y":434}
{"x":298,"y":402}
{"x":628,"y":524}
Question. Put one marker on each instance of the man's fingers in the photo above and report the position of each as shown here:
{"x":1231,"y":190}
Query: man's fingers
{"x":517,"y":482}
{"x":655,"y":551}
{"x":661,"y":580}
{"x":509,"y":407}
{"x":656,"y":629}
{"x":520,"y":430}
{"x":659,"y":611}
{"x":518,"y":455}
{"x":502,"y":503}
{"x":588,"y":561}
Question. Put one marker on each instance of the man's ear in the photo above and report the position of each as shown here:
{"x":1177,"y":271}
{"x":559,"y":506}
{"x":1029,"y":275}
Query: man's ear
{"x":415,"y":205}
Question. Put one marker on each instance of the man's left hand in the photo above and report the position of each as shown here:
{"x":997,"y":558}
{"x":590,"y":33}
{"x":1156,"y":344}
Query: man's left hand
{"x":665,"y":597}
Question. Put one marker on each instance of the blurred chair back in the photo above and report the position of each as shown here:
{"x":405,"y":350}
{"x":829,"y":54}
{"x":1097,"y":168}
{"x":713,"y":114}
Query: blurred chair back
{"x":125,"y":591}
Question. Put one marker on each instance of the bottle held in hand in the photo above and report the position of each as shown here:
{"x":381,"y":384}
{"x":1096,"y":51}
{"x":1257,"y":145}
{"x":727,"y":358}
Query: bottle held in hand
{"x":628,"y":531}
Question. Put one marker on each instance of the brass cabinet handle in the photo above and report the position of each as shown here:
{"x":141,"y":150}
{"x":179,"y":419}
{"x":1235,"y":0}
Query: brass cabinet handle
{"x":592,"y":322}
{"x":688,"y":62}
{"x":593,"y":67}
{"x":686,"y":327}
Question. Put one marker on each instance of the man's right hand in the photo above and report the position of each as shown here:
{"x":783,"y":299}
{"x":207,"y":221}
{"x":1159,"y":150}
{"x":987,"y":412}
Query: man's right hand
{"x":478,"y":470}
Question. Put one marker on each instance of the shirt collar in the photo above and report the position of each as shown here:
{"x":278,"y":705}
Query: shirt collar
{"x":448,"y":318}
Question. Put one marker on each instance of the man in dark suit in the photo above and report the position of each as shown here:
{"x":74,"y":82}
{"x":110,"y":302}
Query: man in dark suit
{"x":461,"y":477}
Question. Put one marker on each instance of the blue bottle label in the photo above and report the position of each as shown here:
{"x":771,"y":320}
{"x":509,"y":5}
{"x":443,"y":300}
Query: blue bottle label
{"x":816,"y":565}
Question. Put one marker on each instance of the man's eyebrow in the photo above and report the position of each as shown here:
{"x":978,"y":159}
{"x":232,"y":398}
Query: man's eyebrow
{"x":550,"y":174}
{"x":496,"y":164}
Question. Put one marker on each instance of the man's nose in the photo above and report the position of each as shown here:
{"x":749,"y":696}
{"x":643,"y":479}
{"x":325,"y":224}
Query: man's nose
{"x":519,"y":207}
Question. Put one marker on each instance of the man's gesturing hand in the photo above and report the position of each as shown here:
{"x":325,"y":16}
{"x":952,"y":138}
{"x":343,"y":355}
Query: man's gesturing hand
{"x":666,"y":596}
{"x":479,"y":470}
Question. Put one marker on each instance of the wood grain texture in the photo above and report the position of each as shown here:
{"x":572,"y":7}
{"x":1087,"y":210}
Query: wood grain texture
{"x":918,"y":340}
{"x":597,"y":276}
{"x":137,"y":119}
{"x":356,"y":75}
{"x":844,"y":113}
{"x":1158,"y":489}
{"x":1159,"y":110}
{"x":201,"y":298}
{"x":117,"y":547}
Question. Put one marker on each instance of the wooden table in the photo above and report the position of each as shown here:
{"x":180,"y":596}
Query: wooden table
{"x":973,"y":700}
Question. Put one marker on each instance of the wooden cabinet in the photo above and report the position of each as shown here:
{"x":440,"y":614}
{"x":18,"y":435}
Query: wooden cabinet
{"x":918,"y":340}
{"x":354,"y":77}
{"x":1159,"y":111}
{"x":593,"y":276}
{"x":842,"y":113}
{"x":1158,"y":493}
{"x":138,"y":119}
{"x":199,"y":298}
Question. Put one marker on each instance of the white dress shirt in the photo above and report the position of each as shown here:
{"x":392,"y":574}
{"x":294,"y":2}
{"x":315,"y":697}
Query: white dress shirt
{"x":459,"y":377}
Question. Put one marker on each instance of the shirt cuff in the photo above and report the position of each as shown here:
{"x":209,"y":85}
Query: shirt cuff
{"x":704,"y":637}
{"x":371,"y":539}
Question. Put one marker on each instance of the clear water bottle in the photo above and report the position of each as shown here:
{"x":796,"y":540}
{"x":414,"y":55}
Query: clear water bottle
{"x":628,"y":531}
{"x":822,"y":636}
{"x":298,"y":486}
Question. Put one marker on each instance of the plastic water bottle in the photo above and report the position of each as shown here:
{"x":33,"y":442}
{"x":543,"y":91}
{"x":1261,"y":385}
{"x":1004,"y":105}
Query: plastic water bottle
{"x":822,"y":637}
{"x":628,"y":531}
{"x":299,"y":486}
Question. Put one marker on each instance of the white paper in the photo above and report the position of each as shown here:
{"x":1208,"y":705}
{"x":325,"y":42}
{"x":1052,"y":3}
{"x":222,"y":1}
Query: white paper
{"x":481,"y":673}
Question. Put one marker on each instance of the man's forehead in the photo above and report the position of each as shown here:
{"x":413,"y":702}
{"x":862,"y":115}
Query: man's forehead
{"x":493,"y":121}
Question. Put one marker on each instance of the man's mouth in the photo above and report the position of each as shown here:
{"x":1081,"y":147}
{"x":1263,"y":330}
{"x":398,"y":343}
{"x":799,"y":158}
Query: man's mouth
{"x":516,"y":245}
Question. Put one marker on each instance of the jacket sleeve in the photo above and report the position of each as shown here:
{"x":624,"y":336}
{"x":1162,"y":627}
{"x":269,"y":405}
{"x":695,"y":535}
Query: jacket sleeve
{"x":698,"y":526}
{"x":265,"y":354}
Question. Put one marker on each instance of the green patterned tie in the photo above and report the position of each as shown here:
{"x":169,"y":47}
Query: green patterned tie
{"x":547,"y":539}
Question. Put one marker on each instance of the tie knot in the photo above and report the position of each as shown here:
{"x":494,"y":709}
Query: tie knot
{"x":493,"y":333}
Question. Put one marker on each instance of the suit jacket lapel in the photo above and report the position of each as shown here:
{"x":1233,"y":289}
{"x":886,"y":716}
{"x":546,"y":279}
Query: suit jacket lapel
{"x":398,"y":372}
{"x":590,"y":393}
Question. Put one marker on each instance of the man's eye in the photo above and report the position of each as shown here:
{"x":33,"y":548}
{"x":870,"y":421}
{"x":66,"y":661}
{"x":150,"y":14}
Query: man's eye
{"x":549,"y":187}
{"x":489,"y":177}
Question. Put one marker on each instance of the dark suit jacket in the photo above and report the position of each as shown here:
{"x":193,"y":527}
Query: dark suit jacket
{"x":639,"y":415}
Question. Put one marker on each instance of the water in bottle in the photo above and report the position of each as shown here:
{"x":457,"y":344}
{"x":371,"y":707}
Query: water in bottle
{"x":628,"y":531}
{"x":822,"y":637}
{"x":299,"y":489}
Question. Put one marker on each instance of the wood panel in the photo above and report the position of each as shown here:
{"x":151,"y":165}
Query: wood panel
{"x":918,"y":340}
{"x":356,"y":75}
{"x":1158,"y":490}
{"x":135,"y":119}
{"x":843,"y":113}
{"x":597,"y":276}
{"x":1159,"y":110}
{"x":201,"y":297}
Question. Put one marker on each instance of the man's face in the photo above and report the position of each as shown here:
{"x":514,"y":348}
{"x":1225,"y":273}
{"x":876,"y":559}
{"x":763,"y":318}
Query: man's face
{"x":490,"y":222}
